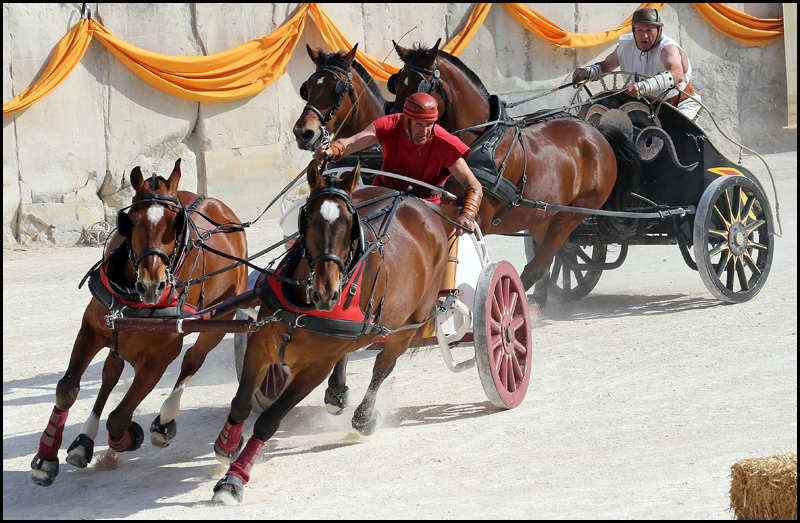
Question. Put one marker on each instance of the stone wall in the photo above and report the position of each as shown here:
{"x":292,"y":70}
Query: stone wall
{"x":67,"y":158}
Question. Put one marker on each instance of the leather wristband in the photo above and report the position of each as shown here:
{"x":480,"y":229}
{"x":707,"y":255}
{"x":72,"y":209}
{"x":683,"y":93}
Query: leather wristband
{"x":472,"y":202}
{"x":338,"y":150}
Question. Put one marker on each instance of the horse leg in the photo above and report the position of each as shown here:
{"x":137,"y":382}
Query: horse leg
{"x":337,"y":395}
{"x":229,"y":443}
{"x":125,"y":435}
{"x":230,"y":489}
{"x":164,"y":428}
{"x":44,"y":466}
{"x":366,"y":417}
{"x":539,"y":267}
{"x":80,"y":451}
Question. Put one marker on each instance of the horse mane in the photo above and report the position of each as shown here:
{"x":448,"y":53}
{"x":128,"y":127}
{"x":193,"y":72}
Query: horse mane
{"x":337,"y":60}
{"x":418,"y":52}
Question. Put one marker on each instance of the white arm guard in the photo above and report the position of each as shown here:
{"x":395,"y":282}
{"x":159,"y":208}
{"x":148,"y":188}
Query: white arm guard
{"x":659,"y":82}
{"x":593,"y":70}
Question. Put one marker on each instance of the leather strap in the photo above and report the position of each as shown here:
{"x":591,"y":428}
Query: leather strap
{"x":675,"y":100}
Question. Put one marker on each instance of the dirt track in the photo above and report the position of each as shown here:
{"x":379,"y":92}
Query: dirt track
{"x":642,"y":396}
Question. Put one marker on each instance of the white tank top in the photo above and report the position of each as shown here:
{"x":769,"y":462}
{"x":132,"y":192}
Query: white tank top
{"x":649,"y":63}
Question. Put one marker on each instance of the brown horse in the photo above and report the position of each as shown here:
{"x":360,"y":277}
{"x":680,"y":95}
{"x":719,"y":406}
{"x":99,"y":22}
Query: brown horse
{"x":160,"y":246}
{"x":561,"y":161}
{"x":331,"y":92}
{"x":396,"y":270}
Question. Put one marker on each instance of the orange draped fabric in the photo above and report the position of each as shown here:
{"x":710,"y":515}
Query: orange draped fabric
{"x":741,"y":26}
{"x":66,"y":56}
{"x":536,"y":23}
{"x":249,"y":68}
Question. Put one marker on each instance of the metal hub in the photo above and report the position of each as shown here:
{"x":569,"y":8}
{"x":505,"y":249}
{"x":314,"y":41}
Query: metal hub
{"x":737,"y":239}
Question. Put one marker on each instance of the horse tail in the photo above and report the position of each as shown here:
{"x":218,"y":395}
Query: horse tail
{"x":628,"y":160}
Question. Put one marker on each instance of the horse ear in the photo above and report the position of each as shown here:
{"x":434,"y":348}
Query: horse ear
{"x":175,"y":177}
{"x":137,"y":180}
{"x":312,"y":53}
{"x":401,"y":51}
{"x":313,"y":176}
{"x":351,"y":55}
{"x":351,"y":180}
{"x":427,"y":63}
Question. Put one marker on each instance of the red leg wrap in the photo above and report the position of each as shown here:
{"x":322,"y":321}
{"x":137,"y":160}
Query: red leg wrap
{"x":122,"y":443}
{"x":50,"y":441}
{"x":230,"y":436}
{"x":244,"y":463}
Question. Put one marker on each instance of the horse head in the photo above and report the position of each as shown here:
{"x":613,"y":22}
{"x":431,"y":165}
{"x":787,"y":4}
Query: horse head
{"x":329,"y":229}
{"x":153,"y":225}
{"x":326,"y":93}
{"x":420,"y":74}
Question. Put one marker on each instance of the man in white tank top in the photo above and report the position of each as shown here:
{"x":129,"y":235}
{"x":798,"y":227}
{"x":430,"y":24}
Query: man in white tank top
{"x":649,"y":52}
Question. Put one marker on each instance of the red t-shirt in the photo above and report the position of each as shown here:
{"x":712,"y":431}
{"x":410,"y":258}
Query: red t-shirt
{"x":427,"y":163}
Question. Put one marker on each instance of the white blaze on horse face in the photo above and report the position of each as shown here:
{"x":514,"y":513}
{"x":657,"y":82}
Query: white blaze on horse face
{"x":155,"y":213}
{"x":406,"y":82}
{"x":321,"y":79}
{"x":329,"y":211}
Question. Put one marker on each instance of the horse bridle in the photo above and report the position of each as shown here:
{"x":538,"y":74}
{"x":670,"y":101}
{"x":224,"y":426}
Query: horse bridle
{"x":356,"y":234}
{"x":343,"y":86}
{"x":425,"y":86}
{"x":172,"y":202}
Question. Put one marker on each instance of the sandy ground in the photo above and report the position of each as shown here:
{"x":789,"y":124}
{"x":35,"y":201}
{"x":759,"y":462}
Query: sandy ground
{"x":642,"y":396}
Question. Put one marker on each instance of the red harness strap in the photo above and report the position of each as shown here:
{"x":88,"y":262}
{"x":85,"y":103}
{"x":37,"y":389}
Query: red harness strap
{"x":343,"y":309}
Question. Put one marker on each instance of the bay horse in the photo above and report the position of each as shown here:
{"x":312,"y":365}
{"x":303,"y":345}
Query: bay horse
{"x":160,"y":243}
{"x":396,"y":270}
{"x":563,"y":160}
{"x":330,"y":93}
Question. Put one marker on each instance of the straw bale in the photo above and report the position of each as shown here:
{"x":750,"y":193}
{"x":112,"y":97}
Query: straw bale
{"x":765,"y":488}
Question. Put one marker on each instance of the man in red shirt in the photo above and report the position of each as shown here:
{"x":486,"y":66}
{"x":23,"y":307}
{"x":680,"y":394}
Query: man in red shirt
{"x":414,"y":146}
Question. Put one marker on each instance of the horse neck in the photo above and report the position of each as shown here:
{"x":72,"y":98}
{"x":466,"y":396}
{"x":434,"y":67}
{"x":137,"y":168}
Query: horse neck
{"x":466,"y":105}
{"x":368,"y":109}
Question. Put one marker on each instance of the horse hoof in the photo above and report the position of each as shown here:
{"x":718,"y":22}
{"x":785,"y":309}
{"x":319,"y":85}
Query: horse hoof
{"x":368,"y":428}
{"x":229,"y":490}
{"x":80,"y":452}
{"x":336,"y":403}
{"x":162,"y":435}
{"x":130,"y":440}
{"x":226,"y":458}
{"x":44,"y":471}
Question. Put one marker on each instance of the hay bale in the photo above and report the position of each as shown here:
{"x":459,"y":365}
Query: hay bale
{"x":765,"y":488}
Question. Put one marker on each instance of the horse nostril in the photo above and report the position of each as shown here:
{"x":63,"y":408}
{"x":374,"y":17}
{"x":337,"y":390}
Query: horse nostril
{"x":162,"y":286}
{"x":308,"y":135}
{"x":140,"y":287}
{"x":334,"y":298}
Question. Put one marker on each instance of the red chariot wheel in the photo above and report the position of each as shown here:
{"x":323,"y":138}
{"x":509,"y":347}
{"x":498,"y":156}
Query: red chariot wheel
{"x":502,"y":328}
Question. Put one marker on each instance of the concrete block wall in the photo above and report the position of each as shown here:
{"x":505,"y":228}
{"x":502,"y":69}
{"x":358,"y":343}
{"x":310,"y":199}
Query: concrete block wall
{"x":67,"y":158}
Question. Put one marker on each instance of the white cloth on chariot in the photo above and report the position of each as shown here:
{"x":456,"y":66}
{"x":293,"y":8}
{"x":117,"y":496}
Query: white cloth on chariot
{"x":649,"y":63}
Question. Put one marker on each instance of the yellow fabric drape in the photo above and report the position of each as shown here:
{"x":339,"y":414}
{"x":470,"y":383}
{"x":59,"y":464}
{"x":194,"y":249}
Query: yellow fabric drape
{"x":741,"y":26}
{"x":460,"y":41}
{"x":334,"y":38}
{"x":67,"y":55}
{"x":249,"y":68}
{"x":536,"y":23}
{"x":243,"y":71}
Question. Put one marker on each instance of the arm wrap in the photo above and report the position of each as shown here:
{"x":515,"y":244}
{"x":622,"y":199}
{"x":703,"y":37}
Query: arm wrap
{"x":659,"y":82}
{"x":472,"y":202}
{"x":594,"y":70}
{"x":338,"y":149}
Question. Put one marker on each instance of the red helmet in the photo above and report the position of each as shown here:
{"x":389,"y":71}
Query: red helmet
{"x":421,"y":107}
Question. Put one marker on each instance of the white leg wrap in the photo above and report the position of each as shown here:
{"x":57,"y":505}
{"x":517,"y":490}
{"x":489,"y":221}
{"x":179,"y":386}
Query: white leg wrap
{"x":172,"y":405}
{"x":91,"y":426}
